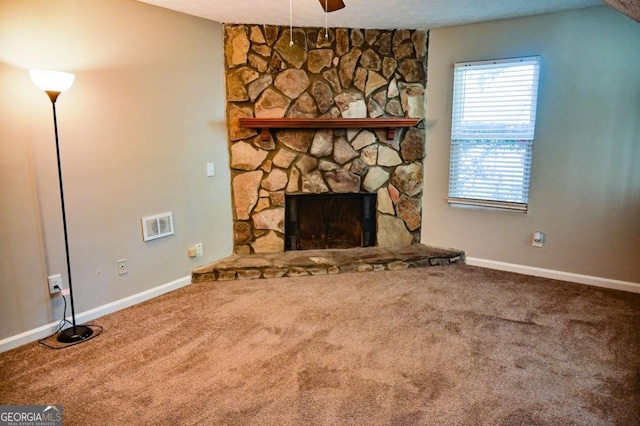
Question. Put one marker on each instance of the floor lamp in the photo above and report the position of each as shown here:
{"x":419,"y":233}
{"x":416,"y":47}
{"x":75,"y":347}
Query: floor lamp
{"x":54,"y":83}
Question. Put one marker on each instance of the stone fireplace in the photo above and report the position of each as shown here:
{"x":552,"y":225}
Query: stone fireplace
{"x":351,"y":74}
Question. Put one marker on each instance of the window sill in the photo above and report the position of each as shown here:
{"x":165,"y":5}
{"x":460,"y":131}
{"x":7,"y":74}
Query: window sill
{"x":488,"y":205}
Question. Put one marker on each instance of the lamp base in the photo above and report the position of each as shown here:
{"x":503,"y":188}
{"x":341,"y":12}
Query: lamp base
{"x":75,"y":334}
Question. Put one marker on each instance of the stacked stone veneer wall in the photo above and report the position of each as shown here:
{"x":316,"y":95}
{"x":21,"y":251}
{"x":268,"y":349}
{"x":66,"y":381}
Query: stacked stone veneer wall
{"x":351,"y":73}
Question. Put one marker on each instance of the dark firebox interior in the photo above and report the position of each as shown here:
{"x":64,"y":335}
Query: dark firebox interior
{"x":323,"y":221}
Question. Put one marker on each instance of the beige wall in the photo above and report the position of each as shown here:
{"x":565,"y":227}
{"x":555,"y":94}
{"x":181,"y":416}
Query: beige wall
{"x":145,"y":115}
{"x":585,"y":189}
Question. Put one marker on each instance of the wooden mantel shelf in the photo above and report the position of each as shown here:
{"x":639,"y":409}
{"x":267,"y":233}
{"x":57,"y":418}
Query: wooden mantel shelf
{"x":326,"y":123}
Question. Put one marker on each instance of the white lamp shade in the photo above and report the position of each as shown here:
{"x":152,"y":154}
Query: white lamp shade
{"x":52,"y":81}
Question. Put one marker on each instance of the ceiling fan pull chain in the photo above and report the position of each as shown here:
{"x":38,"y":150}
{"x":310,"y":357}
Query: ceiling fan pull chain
{"x":326,"y":19}
{"x":290,"y":22}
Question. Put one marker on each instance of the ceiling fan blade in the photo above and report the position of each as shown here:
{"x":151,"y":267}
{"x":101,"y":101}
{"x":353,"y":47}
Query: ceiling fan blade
{"x":331,"y":5}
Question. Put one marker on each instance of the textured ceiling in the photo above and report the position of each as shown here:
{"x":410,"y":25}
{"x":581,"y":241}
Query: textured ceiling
{"x":378,"y":14}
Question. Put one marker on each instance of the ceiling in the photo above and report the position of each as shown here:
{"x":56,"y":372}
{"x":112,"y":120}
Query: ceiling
{"x":378,"y":14}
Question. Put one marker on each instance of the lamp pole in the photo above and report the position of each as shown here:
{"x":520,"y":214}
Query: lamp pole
{"x":75,"y":333}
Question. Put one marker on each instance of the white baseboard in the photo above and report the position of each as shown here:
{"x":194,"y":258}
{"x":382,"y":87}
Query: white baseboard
{"x":556,"y":275}
{"x":83,"y":317}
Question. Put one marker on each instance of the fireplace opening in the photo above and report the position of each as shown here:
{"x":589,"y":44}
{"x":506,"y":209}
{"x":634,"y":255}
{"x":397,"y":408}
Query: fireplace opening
{"x":324,"y":221}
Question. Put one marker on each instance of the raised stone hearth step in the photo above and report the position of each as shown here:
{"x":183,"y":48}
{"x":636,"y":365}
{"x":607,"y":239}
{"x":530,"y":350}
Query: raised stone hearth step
{"x":322,"y":262}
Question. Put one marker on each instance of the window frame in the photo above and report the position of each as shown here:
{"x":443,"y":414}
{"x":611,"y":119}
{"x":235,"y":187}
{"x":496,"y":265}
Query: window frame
{"x":502,"y":121}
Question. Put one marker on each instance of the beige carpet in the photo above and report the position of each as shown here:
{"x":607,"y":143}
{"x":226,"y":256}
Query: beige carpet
{"x":451,"y":345}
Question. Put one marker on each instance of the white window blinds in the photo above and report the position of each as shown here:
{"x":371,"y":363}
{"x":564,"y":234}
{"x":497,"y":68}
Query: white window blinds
{"x":492,"y":131}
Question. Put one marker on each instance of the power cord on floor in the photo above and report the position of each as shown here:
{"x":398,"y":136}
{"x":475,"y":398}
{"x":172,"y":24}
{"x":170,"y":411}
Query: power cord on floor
{"x":61,"y":325}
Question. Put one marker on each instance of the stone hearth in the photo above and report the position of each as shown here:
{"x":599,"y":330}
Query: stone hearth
{"x":322,"y":262}
{"x":350,"y":74}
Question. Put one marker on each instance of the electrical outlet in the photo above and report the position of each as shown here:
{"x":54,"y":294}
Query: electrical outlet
{"x":55,"y":280}
{"x":122,"y":266}
{"x":211,"y":171}
{"x":537,"y":240}
{"x":199,"y":250}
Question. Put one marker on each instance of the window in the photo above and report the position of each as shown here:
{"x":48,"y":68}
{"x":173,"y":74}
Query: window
{"x":492,"y":130}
